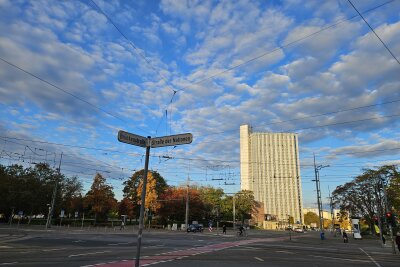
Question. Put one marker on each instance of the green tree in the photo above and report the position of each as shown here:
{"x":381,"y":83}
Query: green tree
{"x":364,"y":197}
{"x":100,"y":198}
{"x":245,"y":204}
{"x":311,"y":217}
{"x":212,"y":201}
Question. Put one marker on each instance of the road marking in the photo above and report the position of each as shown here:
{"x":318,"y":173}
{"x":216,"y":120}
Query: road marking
{"x":116,"y":244}
{"x":92,"y":253}
{"x":372,"y":259}
{"x":283,"y":251}
{"x":257,"y":258}
{"x":5,"y":247}
{"x":335,"y":258}
{"x":9,"y":263}
{"x":53,"y":249}
{"x":78,"y":241}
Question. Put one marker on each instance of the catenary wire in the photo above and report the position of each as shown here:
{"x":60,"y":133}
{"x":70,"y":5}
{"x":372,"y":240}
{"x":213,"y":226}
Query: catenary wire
{"x":366,"y":22}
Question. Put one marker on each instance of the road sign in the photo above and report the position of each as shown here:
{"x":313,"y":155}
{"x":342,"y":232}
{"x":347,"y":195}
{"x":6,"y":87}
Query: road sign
{"x":132,"y":139}
{"x":172,"y":140}
{"x":62,"y":214}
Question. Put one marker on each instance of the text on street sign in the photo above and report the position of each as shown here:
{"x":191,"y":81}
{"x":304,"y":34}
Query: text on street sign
{"x":132,"y":139}
{"x":172,"y":140}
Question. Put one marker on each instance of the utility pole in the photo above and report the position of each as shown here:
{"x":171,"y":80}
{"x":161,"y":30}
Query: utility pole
{"x":234,"y":213}
{"x":53,"y":200}
{"x":387,"y":209}
{"x":187,"y":204}
{"x":332,"y":212}
{"x":319,"y":201}
{"x":187,"y":200}
{"x":290,"y":231}
{"x":379,"y":208}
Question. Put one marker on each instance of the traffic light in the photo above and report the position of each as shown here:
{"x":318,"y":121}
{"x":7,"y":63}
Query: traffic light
{"x":391,"y":219}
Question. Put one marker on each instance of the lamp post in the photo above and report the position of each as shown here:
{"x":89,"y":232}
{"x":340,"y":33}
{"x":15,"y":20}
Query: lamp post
{"x":318,"y":186}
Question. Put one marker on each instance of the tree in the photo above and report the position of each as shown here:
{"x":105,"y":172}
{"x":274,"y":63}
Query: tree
{"x":173,"y":205}
{"x":212,"y":201}
{"x":131,"y":187}
{"x":151,"y":203}
{"x":311,"y":217}
{"x":363,"y":196}
{"x":125,"y":207}
{"x":72,"y":195}
{"x":245,"y":204}
{"x":100,"y":198}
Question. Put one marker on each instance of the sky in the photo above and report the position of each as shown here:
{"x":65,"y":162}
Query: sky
{"x":73,"y":73}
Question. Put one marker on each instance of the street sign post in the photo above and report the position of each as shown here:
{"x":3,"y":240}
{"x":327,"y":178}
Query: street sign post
{"x":137,"y":140}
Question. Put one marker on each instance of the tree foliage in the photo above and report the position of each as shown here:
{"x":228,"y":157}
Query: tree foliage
{"x":99,"y":200}
{"x":30,"y":189}
{"x":363,"y":196}
{"x":156,"y":185}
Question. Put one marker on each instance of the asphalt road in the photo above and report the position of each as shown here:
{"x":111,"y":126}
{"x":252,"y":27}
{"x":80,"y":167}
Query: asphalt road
{"x":59,"y":247}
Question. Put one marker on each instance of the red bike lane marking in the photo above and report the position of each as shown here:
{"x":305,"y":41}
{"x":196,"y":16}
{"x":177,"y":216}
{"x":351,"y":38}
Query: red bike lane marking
{"x":179,"y":254}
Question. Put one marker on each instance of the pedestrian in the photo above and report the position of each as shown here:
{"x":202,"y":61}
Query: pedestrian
{"x":224,"y":229}
{"x":122,"y":225}
{"x":345,"y":237}
{"x":383,"y":240}
{"x":398,"y":240}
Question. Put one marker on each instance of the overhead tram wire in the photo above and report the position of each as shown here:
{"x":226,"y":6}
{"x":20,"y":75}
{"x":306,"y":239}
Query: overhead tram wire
{"x":182,"y":158}
{"x":387,"y":48}
{"x":311,"y":116}
{"x":64,"y":91}
{"x":138,"y":52}
{"x":325,"y":125}
{"x":286,"y":45}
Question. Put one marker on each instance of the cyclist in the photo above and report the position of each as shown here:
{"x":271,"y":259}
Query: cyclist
{"x":241,"y":229}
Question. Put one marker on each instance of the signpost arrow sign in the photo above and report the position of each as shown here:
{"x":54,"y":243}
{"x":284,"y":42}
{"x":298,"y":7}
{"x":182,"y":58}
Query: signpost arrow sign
{"x":172,"y":140}
{"x":132,"y":139}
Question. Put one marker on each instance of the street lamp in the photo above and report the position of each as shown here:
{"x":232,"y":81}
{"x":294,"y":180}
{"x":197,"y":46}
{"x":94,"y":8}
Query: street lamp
{"x":319,"y":202}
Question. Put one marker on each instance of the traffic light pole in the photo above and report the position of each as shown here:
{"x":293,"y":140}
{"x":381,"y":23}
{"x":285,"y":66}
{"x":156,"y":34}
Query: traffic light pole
{"x":387,"y":210}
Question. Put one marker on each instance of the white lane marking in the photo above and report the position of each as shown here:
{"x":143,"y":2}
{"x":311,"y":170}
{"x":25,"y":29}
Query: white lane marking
{"x":78,"y":241}
{"x":283,"y":251}
{"x":257,"y":258}
{"x":9,"y":263}
{"x":92,"y":253}
{"x":335,"y":258}
{"x":116,"y":244}
{"x":52,"y":249}
{"x":372,"y":259}
{"x":5,"y":247}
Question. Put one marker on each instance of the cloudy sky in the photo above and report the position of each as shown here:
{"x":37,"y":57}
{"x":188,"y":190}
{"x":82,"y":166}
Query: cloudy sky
{"x":73,"y":73}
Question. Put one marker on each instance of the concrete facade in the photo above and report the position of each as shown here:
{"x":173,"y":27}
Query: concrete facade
{"x":270,"y":167}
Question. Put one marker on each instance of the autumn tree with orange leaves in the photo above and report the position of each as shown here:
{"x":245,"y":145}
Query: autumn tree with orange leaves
{"x":156,"y":186}
{"x":100,"y":198}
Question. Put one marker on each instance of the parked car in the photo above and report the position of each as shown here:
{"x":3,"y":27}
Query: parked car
{"x":195,"y":228}
{"x":299,"y":230}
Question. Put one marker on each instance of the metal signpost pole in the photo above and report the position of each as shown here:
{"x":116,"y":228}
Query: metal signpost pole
{"x":149,"y":142}
{"x":142,"y":205}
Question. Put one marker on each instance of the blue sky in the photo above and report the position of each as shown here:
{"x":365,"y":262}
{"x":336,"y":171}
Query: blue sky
{"x":72,"y":73}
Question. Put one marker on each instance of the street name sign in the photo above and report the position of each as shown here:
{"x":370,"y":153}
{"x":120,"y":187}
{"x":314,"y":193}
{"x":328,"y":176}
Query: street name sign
{"x":137,"y":140}
{"x":132,"y":139}
{"x":172,"y":140}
